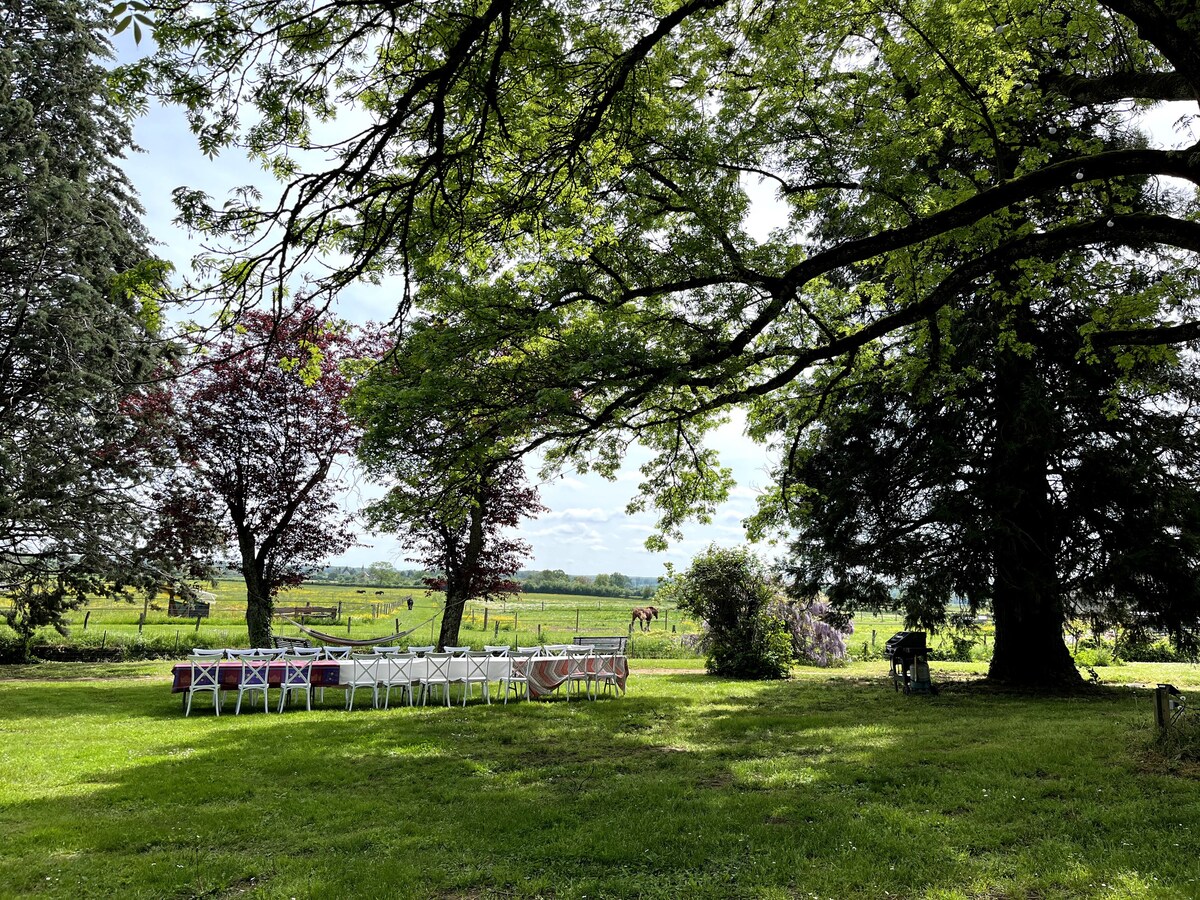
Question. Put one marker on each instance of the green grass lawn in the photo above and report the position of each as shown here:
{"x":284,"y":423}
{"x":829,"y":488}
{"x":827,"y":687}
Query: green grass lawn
{"x":829,"y":785}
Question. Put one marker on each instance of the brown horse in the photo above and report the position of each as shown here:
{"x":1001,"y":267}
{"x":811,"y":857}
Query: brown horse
{"x":643,"y":615}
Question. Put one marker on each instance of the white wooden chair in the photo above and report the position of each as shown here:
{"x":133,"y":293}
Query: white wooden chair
{"x":605,"y":673}
{"x":396,"y":671}
{"x":297,"y":676}
{"x":437,"y":674}
{"x":497,"y":651}
{"x":579,"y":669}
{"x":515,"y":678}
{"x":205,"y":679}
{"x":364,"y":673}
{"x":255,"y":677}
{"x":475,"y":672}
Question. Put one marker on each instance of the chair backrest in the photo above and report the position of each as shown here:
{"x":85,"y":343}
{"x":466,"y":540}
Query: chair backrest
{"x":497,"y":649}
{"x":387,"y":651}
{"x":307,"y":652}
{"x":204,"y":653}
{"x":297,"y":670}
{"x":518,"y":665}
{"x":336,"y":652}
{"x":558,"y":650}
{"x":578,"y":664}
{"x":365,"y":669}
{"x":438,"y":666}
{"x":477,"y":665}
{"x":420,"y":651}
{"x":270,"y":652}
{"x":458,"y":651}
{"x":206,"y":671}
{"x":241,"y":654}
{"x":530,"y":651}
{"x":255,"y":671}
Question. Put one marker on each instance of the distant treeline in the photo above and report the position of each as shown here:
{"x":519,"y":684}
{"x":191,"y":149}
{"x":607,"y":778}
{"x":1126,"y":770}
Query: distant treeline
{"x":545,"y":581}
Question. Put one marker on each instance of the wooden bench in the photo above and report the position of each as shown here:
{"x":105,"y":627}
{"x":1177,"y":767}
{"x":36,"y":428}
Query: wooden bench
{"x":289,"y":643}
{"x":307,"y":612}
{"x":604,"y":644}
{"x":185,"y":609}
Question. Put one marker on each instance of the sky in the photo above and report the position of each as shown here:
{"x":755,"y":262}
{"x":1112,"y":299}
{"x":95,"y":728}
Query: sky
{"x":586,"y":530}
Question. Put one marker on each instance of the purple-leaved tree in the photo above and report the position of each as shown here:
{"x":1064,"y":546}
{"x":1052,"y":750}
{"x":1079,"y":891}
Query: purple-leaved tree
{"x":260,"y":428}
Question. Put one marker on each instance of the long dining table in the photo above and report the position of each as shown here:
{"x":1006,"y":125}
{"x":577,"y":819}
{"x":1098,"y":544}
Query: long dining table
{"x":543,"y":674}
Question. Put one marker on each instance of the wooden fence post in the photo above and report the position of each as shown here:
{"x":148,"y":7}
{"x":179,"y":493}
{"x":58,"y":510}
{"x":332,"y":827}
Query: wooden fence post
{"x":86,"y":616}
{"x":577,"y":621}
{"x":539,"y":632}
{"x":197,"y":624}
{"x":497,"y":633}
{"x":485,"y":615}
{"x":141,"y":622}
{"x":349,"y":619}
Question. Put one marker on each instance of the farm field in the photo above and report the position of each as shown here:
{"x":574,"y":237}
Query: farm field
{"x":828,"y":785}
{"x":373,"y":612}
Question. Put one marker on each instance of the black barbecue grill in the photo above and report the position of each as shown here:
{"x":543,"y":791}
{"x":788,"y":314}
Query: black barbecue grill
{"x":910,"y":663}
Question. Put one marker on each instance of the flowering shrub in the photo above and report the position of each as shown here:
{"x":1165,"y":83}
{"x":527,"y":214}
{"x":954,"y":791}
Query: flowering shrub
{"x":815,"y":642}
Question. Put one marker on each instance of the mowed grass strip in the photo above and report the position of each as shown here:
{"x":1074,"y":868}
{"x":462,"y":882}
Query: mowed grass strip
{"x":829,"y":785}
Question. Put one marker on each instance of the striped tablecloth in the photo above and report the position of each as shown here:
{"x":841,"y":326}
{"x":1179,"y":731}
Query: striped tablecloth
{"x":545,"y":674}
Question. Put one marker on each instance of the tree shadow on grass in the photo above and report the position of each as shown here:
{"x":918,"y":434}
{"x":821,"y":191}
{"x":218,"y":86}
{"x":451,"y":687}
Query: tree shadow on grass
{"x":690,"y":786}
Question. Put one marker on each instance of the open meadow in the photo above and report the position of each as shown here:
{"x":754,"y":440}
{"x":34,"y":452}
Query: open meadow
{"x":526,"y":619}
{"x":827,"y":785}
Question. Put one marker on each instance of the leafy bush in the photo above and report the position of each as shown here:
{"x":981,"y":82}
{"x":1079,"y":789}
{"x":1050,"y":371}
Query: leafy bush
{"x":1095,"y":657}
{"x":961,"y":649}
{"x":1157,"y":652}
{"x":729,"y":590}
{"x":762,"y":650}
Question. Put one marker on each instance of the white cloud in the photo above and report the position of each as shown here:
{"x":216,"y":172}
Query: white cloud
{"x":575,"y":514}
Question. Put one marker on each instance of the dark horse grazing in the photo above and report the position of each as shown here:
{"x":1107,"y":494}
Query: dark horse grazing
{"x":644,"y":614}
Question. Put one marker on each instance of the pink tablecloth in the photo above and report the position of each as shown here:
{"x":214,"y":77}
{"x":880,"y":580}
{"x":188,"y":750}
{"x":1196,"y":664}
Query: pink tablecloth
{"x":324,"y":673}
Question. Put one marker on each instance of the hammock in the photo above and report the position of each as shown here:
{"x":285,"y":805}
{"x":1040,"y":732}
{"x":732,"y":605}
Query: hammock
{"x":347,"y":642}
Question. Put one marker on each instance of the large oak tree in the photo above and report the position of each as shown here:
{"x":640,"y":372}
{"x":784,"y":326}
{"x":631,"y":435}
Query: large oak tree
{"x":572,"y":183}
